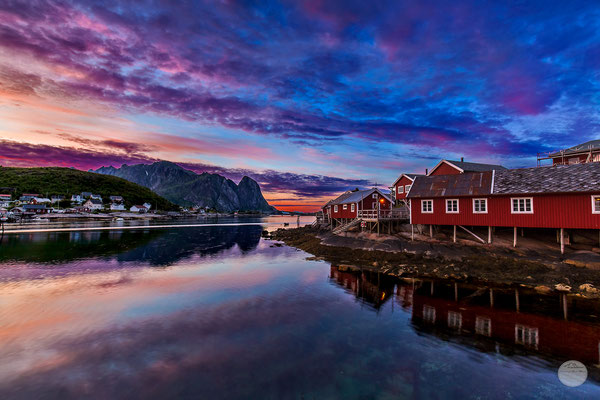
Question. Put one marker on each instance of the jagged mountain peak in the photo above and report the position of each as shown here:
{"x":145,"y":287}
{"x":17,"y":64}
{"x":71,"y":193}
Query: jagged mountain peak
{"x":187,"y":188}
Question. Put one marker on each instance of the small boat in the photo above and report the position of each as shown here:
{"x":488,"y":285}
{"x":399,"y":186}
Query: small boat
{"x":118,"y":219}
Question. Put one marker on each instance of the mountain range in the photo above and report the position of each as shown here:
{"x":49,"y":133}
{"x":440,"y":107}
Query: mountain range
{"x":187,"y":188}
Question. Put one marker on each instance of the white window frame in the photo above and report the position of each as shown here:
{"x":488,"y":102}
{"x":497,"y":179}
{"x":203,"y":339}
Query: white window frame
{"x":454,"y":320}
{"x":594,"y":197}
{"x":457,"y":206}
{"x":512,"y":209}
{"x":423,"y":202}
{"x":407,"y":188}
{"x":374,"y":195}
{"x":345,"y":206}
{"x":527,"y":335}
{"x":480,"y":324}
{"x":400,"y":189}
{"x":352,"y":209}
{"x":335,"y":208}
{"x":485,"y":200}
{"x":429,"y":314}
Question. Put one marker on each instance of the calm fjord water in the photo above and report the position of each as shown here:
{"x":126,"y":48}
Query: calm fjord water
{"x":219,"y":313}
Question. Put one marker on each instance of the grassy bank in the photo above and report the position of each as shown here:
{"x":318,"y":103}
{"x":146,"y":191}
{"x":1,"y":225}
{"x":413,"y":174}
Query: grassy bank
{"x":476,"y":266}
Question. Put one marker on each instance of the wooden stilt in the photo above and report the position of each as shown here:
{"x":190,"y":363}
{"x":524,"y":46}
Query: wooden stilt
{"x":518,"y":307}
{"x":455,"y":291}
{"x":562,"y":241}
{"x":412,"y":232}
{"x":454,"y":238}
{"x":491,"y":297}
{"x":431,"y":231}
{"x":489,"y":234}
{"x":565,"y":310}
{"x":558,"y":236}
{"x":432,"y":288}
{"x":522,"y":232}
{"x":515,"y":238}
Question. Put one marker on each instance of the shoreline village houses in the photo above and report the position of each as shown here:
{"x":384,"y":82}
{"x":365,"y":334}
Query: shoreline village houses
{"x":554,"y":197}
{"x":352,"y":204}
{"x":138,"y":209}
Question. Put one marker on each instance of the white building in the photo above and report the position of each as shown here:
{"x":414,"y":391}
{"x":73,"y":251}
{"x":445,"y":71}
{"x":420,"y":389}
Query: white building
{"x":76,"y":198}
{"x":93,"y":204}
{"x":138,"y":209}
{"x":117,"y":207}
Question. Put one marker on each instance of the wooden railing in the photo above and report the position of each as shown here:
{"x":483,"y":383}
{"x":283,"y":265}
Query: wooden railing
{"x":396,"y":213}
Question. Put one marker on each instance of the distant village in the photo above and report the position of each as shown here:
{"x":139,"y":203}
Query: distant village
{"x":34,"y":204}
{"x":480,"y":200}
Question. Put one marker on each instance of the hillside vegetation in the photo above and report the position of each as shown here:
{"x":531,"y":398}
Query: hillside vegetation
{"x":65,"y":181}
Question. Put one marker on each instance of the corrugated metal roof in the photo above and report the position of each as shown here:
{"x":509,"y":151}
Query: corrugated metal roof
{"x":468,"y":184}
{"x":552,"y":179}
{"x":580,"y":148}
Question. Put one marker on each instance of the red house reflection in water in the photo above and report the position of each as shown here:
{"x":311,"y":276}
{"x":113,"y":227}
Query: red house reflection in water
{"x":505,"y":320}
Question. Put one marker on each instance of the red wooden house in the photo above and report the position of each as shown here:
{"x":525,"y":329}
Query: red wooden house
{"x":449,"y":167}
{"x":347,"y":205}
{"x":401,"y":187}
{"x":559,"y":197}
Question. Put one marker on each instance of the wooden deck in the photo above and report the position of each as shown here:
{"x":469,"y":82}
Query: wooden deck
{"x":386,"y":215}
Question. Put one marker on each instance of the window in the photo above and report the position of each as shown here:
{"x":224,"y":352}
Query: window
{"x":454,"y":320}
{"x":526,"y":335}
{"x":400,"y":189}
{"x":352,"y":207}
{"x":480,"y":206}
{"x":595,"y":204}
{"x":596,"y":157}
{"x":523,"y":205}
{"x":335,"y":208}
{"x":407,"y":188}
{"x":574,"y":160}
{"x":374,"y":195}
{"x":483,"y":326}
{"x":428,"y":314}
{"x":427,"y":206}
{"x":345,"y":207}
{"x":452,"y":206}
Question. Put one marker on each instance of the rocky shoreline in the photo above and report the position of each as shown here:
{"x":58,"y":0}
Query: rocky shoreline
{"x":485,"y":265}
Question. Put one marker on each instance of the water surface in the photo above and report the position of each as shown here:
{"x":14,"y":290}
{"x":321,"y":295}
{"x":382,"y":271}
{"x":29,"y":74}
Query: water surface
{"x":217,"y":312}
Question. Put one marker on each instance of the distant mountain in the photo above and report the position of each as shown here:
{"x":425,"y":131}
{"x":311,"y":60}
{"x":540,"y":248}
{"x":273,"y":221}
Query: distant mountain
{"x":187,"y":188}
{"x":66,"y":181}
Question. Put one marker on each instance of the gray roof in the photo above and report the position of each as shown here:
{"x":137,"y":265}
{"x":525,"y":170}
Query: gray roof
{"x":475,"y":167}
{"x":551,"y":179}
{"x":580,"y":148}
{"x":34,"y":207}
{"x":355,"y":197}
{"x":95,"y":201}
{"x":468,"y":184}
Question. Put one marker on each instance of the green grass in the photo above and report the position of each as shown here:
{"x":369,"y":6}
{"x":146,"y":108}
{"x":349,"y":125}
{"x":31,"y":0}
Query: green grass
{"x":66,"y":181}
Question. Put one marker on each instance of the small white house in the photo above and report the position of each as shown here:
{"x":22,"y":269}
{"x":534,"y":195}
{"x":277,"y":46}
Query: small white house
{"x":138,"y":209}
{"x":93,"y":204}
{"x":148,"y":206}
{"x":76,"y":198}
{"x":117,"y":207}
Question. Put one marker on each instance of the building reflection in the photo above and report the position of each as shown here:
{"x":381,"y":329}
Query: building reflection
{"x":491,"y":319}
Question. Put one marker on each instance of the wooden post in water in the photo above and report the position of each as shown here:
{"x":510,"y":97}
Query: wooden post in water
{"x":515,"y":237}
{"x":491,"y":297}
{"x":454,"y":238}
{"x":432,"y":288}
{"x":562,"y":241}
{"x":455,"y":291}
{"x":517,"y":300}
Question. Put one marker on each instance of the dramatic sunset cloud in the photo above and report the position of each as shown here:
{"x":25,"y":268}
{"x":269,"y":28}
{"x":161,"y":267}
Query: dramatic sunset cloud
{"x":308,"y":97}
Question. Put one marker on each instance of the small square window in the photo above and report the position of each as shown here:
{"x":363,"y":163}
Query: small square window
{"x":345,"y":206}
{"x":352,"y":207}
{"x":407,"y":188}
{"x":452,"y":206}
{"x":523,"y":205}
{"x":595,"y":204}
{"x":483,"y":326}
{"x":374,"y":195}
{"x":427,"y":206}
{"x":454,"y":320}
{"x":400,"y":189}
{"x":429,"y":314}
{"x":335,"y":208}
{"x":480,"y":206}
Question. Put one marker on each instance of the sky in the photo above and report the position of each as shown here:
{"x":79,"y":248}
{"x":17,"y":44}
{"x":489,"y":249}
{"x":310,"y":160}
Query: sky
{"x":309,"y":98}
